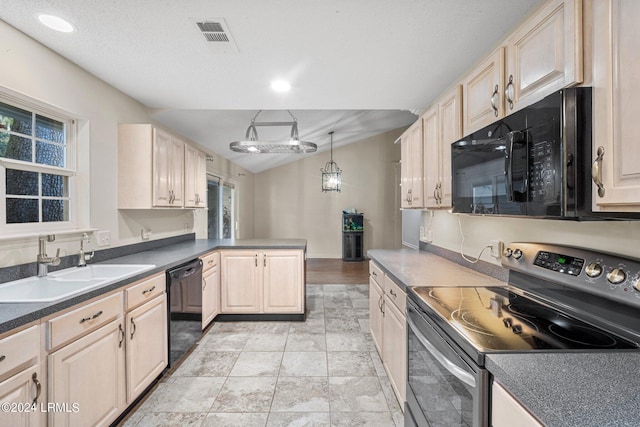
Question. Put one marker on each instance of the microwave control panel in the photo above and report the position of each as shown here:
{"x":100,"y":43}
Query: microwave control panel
{"x":543,"y":172}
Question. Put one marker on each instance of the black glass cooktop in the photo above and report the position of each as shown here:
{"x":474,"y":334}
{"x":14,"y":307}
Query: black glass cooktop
{"x":498,"y":319}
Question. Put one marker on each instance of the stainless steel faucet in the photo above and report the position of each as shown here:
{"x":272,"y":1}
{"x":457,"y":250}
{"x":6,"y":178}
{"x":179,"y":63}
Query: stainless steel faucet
{"x":82,"y":256}
{"x":43,"y":259}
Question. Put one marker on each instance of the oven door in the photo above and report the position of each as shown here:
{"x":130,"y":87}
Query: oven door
{"x":444,"y":387}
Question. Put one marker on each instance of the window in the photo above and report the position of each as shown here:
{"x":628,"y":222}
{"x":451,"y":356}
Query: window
{"x":221,"y":209}
{"x":37,"y":168}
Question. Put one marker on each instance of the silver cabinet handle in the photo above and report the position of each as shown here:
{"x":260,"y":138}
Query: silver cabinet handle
{"x":393,"y":293}
{"x":121,"y":331}
{"x":95,"y":316}
{"x":146,"y":291}
{"x":264,"y":261}
{"x":34,"y":378}
{"x":494,"y":101}
{"x":204,"y":284}
{"x":380,"y":303}
{"x":456,"y":371}
{"x":133,"y":328}
{"x":382,"y":308}
{"x":596,"y":171}
{"x":373,"y":273}
{"x":256,"y":260}
{"x":509,"y":92}
{"x":2,"y":357}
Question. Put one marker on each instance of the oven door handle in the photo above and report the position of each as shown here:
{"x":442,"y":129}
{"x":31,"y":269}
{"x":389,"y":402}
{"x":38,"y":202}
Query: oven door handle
{"x":453,"y":369}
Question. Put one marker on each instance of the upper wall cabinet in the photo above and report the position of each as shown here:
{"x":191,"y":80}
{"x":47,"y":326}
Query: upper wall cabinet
{"x":616,"y":105}
{"x":441,"y":126}
{"x":152,"y":173}
{"x":195,"y":178}
{"x":544,"y":54}
{"x":483,"y":93}
{"x":411,"y":167}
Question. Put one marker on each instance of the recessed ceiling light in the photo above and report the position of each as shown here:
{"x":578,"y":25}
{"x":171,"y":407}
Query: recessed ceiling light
{"x":56,"y":23}
{"x":280,"y":86}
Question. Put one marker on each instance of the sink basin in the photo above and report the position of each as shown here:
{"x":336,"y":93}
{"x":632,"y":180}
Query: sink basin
{"x":68,"y":282}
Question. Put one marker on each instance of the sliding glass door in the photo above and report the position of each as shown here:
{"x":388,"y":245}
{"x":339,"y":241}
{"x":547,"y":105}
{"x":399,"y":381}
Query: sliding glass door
{"x":221,"y":207}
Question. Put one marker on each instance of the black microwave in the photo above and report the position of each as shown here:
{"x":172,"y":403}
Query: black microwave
{"x":534,"y":162}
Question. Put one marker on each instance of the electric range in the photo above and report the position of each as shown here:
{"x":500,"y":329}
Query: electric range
{"x":557,"y":299}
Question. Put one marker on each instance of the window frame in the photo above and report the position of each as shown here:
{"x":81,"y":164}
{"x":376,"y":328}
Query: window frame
{"x":70,"y":171}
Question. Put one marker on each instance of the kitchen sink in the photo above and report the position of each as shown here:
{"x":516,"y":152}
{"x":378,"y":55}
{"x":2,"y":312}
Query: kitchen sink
{"x":68,"y":282}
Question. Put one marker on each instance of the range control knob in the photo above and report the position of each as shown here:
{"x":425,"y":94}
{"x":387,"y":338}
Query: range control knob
{"x":616,"y":276}
{"x":507,"y":253}
{"x":593,"y":270}
{"x":516,"y":329}
{"x":508,"y":322}
{"x":636,"y":285}
{"x":517,"y":254}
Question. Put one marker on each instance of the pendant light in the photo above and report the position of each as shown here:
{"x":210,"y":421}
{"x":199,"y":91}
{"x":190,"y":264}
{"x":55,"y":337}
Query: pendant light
{"x":331,"y":174}
{"x":293,"y":145}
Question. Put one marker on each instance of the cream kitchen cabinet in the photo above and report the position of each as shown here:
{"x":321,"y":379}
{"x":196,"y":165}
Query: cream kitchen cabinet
{"x":483,"y":93}
{"x":507,"y":411}
{"x":411,"y":170}
{"x":146,"y":333}
{"x":150,"y":168}
{"x":616,"y":105}
{"x":387,"y":320}
{"x":376,"y":301}
{"x":20,"y":378}
{"x":256,"y":282}
{"x":210,"y":287}
{"x":195,"y":178}
{"x":441,"y":126}
{"x":544,"y":54}
{"x":89,"y":375}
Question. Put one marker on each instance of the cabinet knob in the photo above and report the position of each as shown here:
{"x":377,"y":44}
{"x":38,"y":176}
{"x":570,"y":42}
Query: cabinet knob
{"x":509,"y":92}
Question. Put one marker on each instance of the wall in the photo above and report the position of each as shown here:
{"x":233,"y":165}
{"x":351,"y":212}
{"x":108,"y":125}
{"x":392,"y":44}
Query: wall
{"x":32,"y":70}
{"x":608,"y":236}
{"x":289,"y":202}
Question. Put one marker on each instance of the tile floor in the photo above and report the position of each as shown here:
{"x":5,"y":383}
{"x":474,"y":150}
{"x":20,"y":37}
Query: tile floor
{"x":321,"y":372}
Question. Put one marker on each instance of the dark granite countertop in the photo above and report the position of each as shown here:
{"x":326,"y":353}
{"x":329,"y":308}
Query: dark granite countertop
{"x":413,"y":267}
{"x":13,"y":315}
{"x":573,"y":389}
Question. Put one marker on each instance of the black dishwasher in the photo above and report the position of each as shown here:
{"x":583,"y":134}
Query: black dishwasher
{"x":184,"y":292}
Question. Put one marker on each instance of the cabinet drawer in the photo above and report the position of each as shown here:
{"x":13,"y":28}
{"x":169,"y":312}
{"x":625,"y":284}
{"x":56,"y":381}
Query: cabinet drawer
{"x":394,"y":294}
{"x":376,"y":272}
{"x":145,"y":290}
{"x":84,"y":319}
{"x":19,"y":349}
{"x":210,"y":260}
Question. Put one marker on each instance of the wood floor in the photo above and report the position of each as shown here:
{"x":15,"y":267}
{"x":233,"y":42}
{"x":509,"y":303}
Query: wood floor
{"x":330,"y":271}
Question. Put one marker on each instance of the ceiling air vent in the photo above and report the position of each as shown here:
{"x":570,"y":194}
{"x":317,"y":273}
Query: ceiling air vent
{"x":217,"y":35}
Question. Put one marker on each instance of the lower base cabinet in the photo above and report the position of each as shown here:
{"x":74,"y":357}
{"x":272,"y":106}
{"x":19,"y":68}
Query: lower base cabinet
{"x":88,"y":375}
{"x":387,"y":320}
{"x":507,"y":412}
{"x":22,"y":388}
{"x":146,"y":348}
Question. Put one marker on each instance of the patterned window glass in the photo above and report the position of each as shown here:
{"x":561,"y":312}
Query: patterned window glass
{"x":40,"y":192}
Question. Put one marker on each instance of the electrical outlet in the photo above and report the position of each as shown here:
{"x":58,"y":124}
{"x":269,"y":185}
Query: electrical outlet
{"x":103,"y":238}
{"x":145,"y":233}
{"x":496,"y":248}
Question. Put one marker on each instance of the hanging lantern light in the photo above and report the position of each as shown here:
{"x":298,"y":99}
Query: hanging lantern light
{"x":331,"y":174}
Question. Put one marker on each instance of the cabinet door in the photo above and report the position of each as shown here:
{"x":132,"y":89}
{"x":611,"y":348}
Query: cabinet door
{"x":450,"y":116}
{"x":240,"y":288}
{"x":89,"y":372}
{"x":283,"y":281}
{"x":416,"y":158}
{"x":147,"y":350}
{"x":176,"y":172}
{"x":544,"y":54}
{"x":430,"y":130}
{"x":201,"y":180}
{"x":483,"y":93}
{"x":210,"y":295}
{"x":405,"y":171}
{"x":20,"y":389}
{"x":376,"y":298}
{"x":190,"y":173}
{"x":616,"y":106}
{"x":394,"y":349}
{"x":507,"y":412}
{"x":161,"y":168}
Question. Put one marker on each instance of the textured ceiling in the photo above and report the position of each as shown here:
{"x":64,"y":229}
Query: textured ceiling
{"x":344,"y":59}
